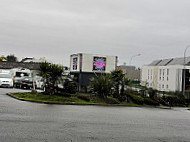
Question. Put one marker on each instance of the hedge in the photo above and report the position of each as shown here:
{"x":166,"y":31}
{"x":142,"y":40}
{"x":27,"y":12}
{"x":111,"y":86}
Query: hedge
{"x":136,"y":99}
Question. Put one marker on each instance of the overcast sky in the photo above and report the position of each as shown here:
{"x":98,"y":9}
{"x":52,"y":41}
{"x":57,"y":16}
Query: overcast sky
{"x":57,"y":28}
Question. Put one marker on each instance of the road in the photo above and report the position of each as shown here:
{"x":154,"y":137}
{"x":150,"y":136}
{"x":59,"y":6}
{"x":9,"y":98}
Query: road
{"x":33,"y":122}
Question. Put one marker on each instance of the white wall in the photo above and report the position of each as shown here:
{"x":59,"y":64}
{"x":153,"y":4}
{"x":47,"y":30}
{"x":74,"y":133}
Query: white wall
{"x":165,"y":78}
{"x":87,"y":63}
{"x":78,"y":62}
{"x":148,"y":76}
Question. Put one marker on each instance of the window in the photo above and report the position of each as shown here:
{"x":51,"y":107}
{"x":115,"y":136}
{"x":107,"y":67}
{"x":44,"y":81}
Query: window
{"x":167,"y":71}
{"x":167,"y":86}
{"x":162,"y":85}
{"x":163,"y":71}
{"x":75,"y":60}
{"x":167,"y":78}
{"x":163,"y":79}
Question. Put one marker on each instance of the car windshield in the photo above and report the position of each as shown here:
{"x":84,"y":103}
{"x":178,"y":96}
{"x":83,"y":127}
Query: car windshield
{"x":21,"y":74}
{"x":28,"y":79}
{"x":5,"y":76}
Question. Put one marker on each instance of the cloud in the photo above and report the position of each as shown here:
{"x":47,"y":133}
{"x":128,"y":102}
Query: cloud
{"x":56,"y":29}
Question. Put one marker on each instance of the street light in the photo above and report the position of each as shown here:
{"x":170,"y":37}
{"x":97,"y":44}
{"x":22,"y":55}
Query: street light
{"x":133,"y":57}
{"x":184,"y":74}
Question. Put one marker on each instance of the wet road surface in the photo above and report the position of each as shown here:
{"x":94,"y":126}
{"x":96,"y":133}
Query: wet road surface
{"x":33,"y":122}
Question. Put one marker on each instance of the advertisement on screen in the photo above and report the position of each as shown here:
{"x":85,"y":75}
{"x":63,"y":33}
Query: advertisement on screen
{"x":99,"y":63}
{"x":75,"y":63}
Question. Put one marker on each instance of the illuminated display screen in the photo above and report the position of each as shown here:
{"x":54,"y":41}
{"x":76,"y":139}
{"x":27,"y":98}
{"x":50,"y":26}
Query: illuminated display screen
{"x":75,"y":63}
{"x":99,"y":63}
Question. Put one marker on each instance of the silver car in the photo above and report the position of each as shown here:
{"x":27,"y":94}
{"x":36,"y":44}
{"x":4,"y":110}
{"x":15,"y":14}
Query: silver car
{"x":6,"y":80}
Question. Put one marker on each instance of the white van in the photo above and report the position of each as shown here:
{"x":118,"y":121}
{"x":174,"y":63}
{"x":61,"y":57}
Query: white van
{"x":18,"y":74}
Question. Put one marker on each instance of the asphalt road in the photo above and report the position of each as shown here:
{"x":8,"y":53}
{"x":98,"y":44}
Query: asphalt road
{"x":32,"y":122}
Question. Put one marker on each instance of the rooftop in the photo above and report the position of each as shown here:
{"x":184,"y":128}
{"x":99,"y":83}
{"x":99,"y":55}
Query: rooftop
{"x":171,"y":61}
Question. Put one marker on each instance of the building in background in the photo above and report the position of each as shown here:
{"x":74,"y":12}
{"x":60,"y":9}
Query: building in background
{"x":86,"y":66}
{"x":131,"y":72}
{"x":33,"y":60}
{"x":167,"y":74}
{"x":26,"y":63}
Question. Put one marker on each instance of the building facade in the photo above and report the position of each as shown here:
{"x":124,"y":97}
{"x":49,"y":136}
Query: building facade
{"x":167,"y":75}
{"x":86,"y":66}
{"x":131,"y":72}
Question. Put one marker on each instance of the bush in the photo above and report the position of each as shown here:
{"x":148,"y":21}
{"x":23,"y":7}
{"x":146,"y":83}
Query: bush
{"x":174,"y":100}
{"x":84,"y":97}
{"x":110,"y":100}
{"x":64,"y":94}
{"x":149,"y":101}
{"x":45,"y":93}
{"x":122,"y":98}
{"x":137,"y":99}
{"x":130,"y":91}
{"x":34,"y":91}
{"x":70,"y":86}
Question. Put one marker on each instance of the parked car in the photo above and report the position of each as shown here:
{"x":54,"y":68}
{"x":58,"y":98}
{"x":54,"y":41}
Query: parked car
{"x":17,"y":81}
{"x":27,"y":82}
{"x":18,"y":74}
{"x":39,"y":82}
{"x":6,"y":80}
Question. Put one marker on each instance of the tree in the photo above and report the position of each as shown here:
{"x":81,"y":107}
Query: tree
{"x":11,"y":58}
{"x":52,"y":74}
{"x":118,"y":77}
{"x":101,"y":86}
{"x":56,"y":72}
{"x":44,"y":72}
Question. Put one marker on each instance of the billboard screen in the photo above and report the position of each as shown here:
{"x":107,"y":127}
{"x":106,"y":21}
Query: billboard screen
{"x":99,"y":63}
{"x":75,"y":63}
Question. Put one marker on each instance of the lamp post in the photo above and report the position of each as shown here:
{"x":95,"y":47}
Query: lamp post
{"x":184,"y":73}
{"x":133,"y":57}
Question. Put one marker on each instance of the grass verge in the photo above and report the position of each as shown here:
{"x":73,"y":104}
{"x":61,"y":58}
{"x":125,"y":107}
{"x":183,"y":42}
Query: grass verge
{"x":74,"y":99}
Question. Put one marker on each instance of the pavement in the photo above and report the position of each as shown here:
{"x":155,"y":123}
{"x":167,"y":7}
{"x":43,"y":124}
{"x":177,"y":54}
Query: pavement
{"x":22,"y":121}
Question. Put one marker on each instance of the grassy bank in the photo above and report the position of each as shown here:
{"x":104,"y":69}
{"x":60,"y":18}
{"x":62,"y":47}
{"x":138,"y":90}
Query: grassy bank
{"x":70,"y":99}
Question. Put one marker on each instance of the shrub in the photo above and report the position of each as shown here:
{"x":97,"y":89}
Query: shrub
{"x":122,"y":98}
{"x":149,"y":101}
{"x":64,"y":94}
{"x":174,"y":100}
{"x":130,"y":91}
{"x":110,"y":100}
{"x":101,"y":86}
{"x":45,"y":93}
{"x":137,"y":99}
{"x":84,"y":97}
{"x":70,"y":86}
{"x":34,"y":91}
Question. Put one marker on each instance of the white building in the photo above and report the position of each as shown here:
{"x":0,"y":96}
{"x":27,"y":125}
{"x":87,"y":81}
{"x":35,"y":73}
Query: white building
{"x":91,"y":63}
{"x":85,"y":66}
{"x":166,"y":74}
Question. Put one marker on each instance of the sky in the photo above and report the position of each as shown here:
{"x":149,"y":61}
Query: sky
{"x":55,"y":29}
